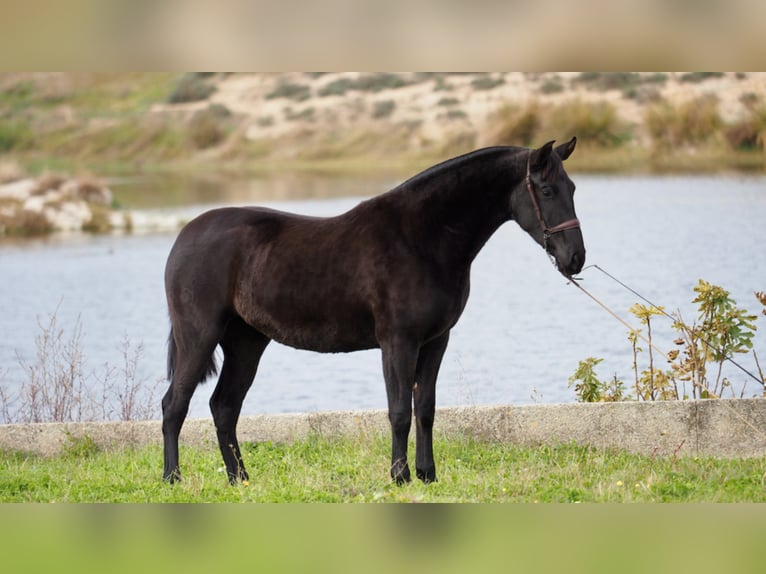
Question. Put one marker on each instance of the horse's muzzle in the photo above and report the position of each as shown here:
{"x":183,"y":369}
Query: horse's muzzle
{"x":575,"y":264}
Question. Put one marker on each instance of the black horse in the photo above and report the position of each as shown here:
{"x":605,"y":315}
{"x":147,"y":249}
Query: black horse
{"x":391,"y":273}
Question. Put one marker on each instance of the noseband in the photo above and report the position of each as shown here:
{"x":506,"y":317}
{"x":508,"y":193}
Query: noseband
{"x":547,"y":231}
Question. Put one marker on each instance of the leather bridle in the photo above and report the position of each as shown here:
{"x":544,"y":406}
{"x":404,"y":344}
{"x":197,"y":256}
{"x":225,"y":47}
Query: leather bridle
{"x":547,"y":231}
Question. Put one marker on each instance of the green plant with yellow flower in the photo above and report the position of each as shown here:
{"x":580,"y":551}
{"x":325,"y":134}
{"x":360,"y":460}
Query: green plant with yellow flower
{"x":720,"y":330}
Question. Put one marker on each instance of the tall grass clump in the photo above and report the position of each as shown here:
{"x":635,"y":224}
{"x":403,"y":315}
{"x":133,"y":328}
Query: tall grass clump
{"x":687,"y":124}
{"x":594,"y":123}
{"x":749,"y":133}
{"x":515,"y":125}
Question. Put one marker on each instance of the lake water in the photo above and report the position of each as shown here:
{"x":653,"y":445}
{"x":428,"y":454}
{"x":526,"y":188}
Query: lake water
{"x":521,"y":336}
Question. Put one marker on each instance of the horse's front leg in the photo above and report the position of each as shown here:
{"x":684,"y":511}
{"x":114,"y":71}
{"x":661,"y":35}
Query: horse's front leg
{"x":429,"y":360}
{"x":399,"y":362}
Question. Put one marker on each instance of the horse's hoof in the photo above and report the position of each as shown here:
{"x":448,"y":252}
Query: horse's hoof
{"x":240,"y":477}
{"x":172,"y":477}
{"x":401,"y":480}
{"x":400,"y":473}
{"x":427,"y":476}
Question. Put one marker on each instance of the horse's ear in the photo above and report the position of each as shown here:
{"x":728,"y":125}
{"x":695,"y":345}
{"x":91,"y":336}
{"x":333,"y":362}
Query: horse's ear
{"x":565,"y":150}
{"x":540,"y":156}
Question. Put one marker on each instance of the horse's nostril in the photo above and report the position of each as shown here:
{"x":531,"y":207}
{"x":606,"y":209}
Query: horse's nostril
{"x":575,"y":264}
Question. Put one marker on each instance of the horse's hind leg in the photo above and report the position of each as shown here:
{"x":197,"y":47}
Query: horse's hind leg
{"x":192,"y":365}
{"x":242,"y":350}
{"x":429,"y":360}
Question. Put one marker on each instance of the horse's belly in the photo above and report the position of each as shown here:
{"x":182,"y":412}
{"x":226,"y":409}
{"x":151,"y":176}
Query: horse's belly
{"x":324,"y":342}
{"x":314,"y":331}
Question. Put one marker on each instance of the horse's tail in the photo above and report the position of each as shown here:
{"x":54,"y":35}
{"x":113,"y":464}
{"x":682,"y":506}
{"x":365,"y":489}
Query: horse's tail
{"x":210,"y":367}
{"x":171,"y":355}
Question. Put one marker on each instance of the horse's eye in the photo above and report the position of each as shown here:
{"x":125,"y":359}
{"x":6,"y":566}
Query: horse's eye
{"x":547,"y":190}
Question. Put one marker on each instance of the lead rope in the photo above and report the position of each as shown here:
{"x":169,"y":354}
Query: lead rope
{"x":574,"y":282}
{"x":666,"y":314}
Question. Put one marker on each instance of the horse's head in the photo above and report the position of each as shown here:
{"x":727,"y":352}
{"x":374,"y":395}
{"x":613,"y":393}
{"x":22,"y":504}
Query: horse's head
{"x":543,"y":205}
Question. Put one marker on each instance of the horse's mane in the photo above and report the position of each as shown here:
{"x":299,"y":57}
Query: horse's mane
{"x":437,"y":184}
{"x":454,"y":163}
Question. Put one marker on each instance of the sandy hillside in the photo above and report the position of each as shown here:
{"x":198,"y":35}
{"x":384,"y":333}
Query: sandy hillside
{"x":276,"y":104}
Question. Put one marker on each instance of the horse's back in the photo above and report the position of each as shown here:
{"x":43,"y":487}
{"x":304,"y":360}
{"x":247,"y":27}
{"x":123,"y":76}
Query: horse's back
{"x":221,"y":232}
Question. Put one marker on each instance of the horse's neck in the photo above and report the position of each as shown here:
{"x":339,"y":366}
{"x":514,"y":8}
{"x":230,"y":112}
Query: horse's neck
{"x":462,"y":208}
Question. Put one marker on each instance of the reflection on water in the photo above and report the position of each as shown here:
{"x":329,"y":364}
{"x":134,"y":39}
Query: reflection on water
{"x":523,"y":331}
{"x":163,"y":190}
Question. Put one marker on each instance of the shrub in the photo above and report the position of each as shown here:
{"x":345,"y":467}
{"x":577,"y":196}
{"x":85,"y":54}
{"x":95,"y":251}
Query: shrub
{"x":295,"y":92}
{"x":306,"y":114}
{"x":448,"y":102}
{"x":720,"y":331}
{"x":383,"y":109}
{"x":454,"y":114}
{"x":365,"y":83}
{"x":608,"y":80}
{"x":59,"y":387}
{"x":337,"y":87}
{"x":192,"y":87}
{"x":379,"y":82}
{"x":487,"y":82}
{"x":655,"y":78}
{"x":643,"y":94}
{"x":207,"y":128}
{"x":14,"y":135}
{"x":588,"y":387}
{"x":552,"y":86}
{"x":18,"y":221}
{"x":442,"y":85}
{"x":632,"y":84}
{"x":697,"y":77}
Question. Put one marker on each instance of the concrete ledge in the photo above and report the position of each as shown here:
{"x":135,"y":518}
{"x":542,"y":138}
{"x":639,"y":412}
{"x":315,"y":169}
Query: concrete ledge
{"x":726,"y":428}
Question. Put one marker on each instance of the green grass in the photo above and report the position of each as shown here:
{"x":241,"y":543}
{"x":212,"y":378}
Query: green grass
{"x":355,"y":470}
